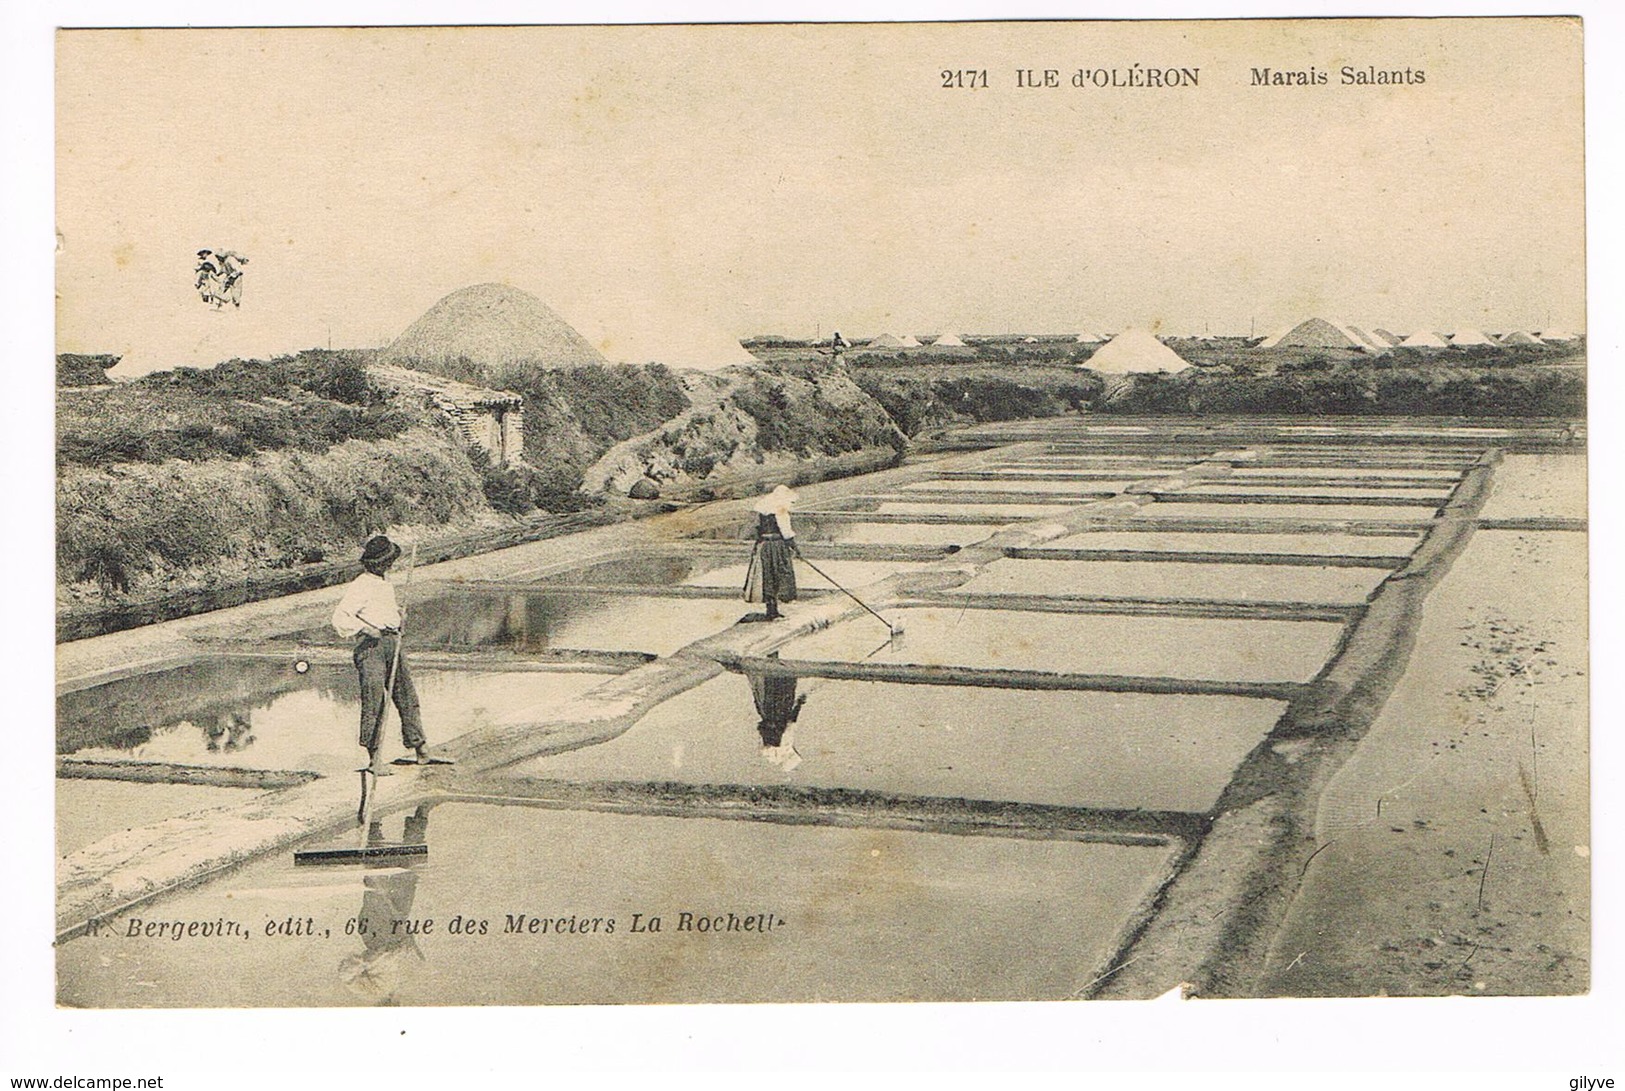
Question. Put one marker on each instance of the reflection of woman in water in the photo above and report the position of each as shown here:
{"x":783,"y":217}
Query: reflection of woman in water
{"x":777,"y":707}
{"x":771,"y":579}
{"x":375,"y":973}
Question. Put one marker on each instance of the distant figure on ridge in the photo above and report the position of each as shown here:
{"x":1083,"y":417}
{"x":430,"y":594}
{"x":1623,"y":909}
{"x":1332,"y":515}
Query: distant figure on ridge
{"x":838,"y":346}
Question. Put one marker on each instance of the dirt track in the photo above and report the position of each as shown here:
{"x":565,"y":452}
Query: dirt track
{"x":1455,"y":847}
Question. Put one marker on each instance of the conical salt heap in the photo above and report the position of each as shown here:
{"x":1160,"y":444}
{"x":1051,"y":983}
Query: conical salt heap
{"x":491,"y":325}
{"x":1132,"y":351}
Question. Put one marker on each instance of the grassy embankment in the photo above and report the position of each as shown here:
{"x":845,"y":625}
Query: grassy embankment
{"x":193,"y":477}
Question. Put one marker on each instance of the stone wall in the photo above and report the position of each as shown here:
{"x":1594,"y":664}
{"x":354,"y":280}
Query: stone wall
{"x":492,"y":420}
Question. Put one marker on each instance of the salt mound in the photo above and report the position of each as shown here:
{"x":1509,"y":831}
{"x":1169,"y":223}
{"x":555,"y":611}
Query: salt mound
{"x":492,"y":325}
{"x":1374,"y":342}
{"x":1470,"y":337}
{"x":1423,"y":339}
{"x":1134,"y":350}
{"x":1318,"y":333}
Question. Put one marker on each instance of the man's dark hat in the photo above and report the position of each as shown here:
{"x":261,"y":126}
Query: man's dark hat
{"x":379,"y":549}
{"x":200,"y":253}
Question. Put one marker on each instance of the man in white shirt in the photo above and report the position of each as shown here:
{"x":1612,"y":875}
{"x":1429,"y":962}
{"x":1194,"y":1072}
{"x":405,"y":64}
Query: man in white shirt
{"x":369,"y":613}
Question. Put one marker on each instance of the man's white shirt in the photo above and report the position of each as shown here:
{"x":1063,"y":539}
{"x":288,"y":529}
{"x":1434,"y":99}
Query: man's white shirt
{"x":369,"y":600}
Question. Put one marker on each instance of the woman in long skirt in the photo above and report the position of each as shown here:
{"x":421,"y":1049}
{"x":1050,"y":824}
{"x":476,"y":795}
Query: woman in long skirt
{"x":771,"y":579}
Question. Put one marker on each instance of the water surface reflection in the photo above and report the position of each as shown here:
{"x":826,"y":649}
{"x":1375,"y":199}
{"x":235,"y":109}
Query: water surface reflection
{"x":388,"y":932}
{"x":777,"y":708}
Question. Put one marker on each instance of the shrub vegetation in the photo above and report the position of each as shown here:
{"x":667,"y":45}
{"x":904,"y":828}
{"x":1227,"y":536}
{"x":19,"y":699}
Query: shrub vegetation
{"x":142,"y":521}
{"x":808,"y":409}
{"x":572,"y":416}
{"x":308,"y":402}
{"x":1504,"y":390}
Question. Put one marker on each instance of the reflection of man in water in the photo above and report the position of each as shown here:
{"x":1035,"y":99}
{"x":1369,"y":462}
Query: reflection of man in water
{"x":229,"y":731}
{"x":375,"y":973}
{"x":777,"y":707}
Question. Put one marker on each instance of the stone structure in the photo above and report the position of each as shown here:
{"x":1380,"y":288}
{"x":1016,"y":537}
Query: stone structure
{"x":493,"y":420}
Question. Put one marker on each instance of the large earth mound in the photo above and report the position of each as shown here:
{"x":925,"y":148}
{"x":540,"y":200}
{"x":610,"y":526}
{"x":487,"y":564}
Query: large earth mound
{"x":491,"y":326}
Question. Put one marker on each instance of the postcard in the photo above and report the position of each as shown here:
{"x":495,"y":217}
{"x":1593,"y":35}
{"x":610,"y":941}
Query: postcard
{"x":716,"y":514}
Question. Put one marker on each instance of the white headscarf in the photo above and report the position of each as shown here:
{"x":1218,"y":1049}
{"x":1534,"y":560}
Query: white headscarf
{"x":780,"y":499}
{"x":777,"y":504}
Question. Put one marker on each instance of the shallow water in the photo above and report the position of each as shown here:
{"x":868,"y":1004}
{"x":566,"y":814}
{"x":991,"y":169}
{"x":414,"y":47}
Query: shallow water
{"x":1108,"y":750}
{"x":1443,"y":475}
{"x":845,"y":573}
{"x":856,"y":914}
{"x":1381,"y":430}
{"x":540,"y":621}
{"x":719,"y":570}
{"x":1000,"y":511}
{"x":643,"y":569}
{"x":1062,"y":485}
{"x":1442,"y":493}
{"x":1049,"y":471}
{"x":1253,"y":651}
{"x":960,"y":534}
{"x":120,"y":714}
{"x":1091,"y":456}
{"x":1176,"y":580}
{"x":1129,"y":464}
{"x":1350,"y":545}
{"x":310,"y":723}
{"x":1182,"y":509}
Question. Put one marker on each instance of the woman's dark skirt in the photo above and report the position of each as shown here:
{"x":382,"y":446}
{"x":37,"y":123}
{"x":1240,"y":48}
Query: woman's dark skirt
{"x":771,"y":574}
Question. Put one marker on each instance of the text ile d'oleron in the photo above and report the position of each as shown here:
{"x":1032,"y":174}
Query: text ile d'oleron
{"x":1155,"y":76}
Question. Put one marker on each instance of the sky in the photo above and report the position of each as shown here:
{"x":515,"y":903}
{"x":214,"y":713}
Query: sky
{"x":671,"y":189}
